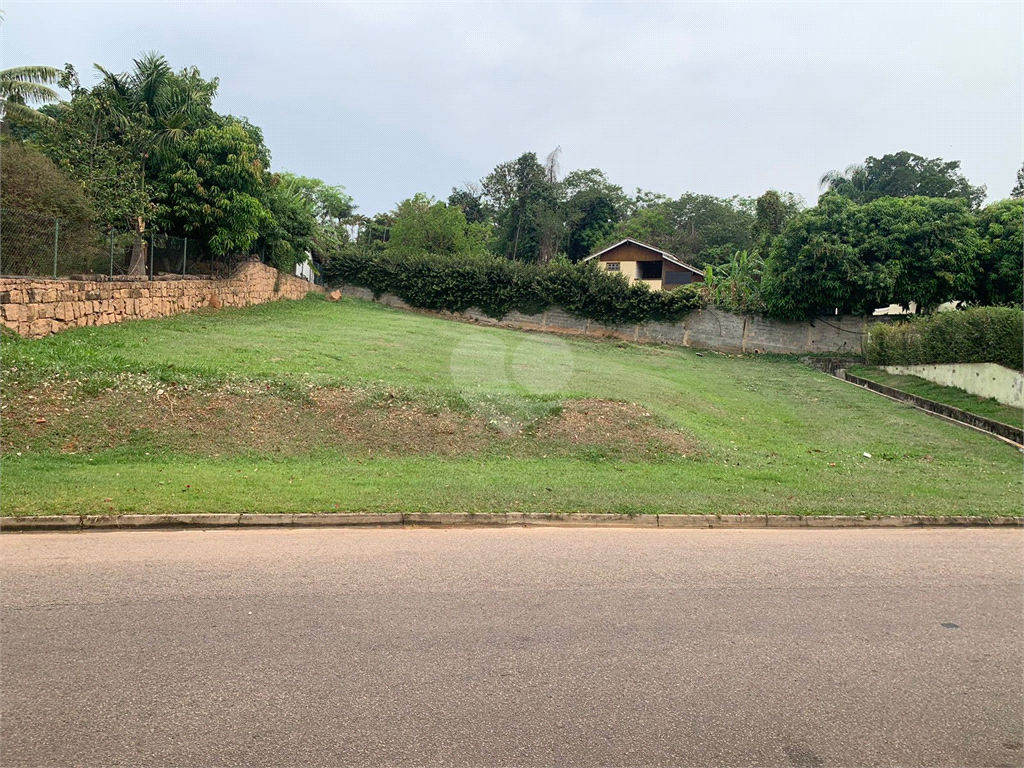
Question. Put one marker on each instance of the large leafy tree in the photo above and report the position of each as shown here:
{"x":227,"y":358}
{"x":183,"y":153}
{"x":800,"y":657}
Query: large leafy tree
{"x":591,"y":209}
{"x":813,"y":269}
{"x":214,"y":186}
{"x":154,"y":109}
{"x":999,"y":276}
{"x":95,"y":149}
{"x":771,"y":212}
{"x":700,"y":229}
{"x":1018,"y":189}
{"x":423,"y":225}
{"x":526,"y":200}
{"x":330,"y":207}
{"x":928,"y":246}
{"x":290,"y":231}
{"x":902,"y":174}
{"x":471,"y":201}
{"x":651,"y":225}
{"x":855,"y":258}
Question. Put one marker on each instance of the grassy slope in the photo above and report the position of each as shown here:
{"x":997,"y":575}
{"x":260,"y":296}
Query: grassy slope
{"x":988,"y":407}
{"x":773,"y":435}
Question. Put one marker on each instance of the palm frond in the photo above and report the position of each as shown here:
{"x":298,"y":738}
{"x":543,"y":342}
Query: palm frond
{"x":31,"y":74}
{"x":830,"y":179}
{"x":27,"y":92}
{"x":19,"y":113}
{"x":118,"y":82}
{"x":150,"y":78}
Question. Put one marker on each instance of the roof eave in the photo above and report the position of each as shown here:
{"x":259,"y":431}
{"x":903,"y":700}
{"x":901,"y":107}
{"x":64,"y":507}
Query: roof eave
{"x":664,"y":254}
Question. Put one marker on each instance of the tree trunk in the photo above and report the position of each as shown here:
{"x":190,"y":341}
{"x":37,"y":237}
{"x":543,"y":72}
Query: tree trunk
{"x":137,"y":266}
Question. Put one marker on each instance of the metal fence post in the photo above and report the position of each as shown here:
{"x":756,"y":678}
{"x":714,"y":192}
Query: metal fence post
{"x":184,"y":256}
{"x":152,"y":251}
{"x":56,"y":239}
{"x":111,"y":252}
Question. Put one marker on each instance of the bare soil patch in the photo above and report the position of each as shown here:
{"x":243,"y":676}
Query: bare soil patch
{"x":627,"y":427}
{"x":247,"y":418}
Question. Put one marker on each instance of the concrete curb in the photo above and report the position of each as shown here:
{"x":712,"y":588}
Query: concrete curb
{"x":488,"y":519}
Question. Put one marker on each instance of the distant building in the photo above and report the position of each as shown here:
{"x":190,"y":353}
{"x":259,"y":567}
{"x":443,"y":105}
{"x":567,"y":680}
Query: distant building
{"x":639,"y":261}
{"x":305,"y":270}
{"x":897,"y":309}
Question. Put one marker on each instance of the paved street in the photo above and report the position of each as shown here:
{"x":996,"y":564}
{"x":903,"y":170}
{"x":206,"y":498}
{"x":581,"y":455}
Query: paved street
{"x":537,"y":646}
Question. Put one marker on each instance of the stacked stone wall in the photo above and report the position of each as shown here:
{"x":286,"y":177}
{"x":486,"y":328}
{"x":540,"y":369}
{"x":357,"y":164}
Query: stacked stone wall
{"x":35,"y":307}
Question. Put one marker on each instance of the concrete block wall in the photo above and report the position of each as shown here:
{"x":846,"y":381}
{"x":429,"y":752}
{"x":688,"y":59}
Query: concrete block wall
{"x":707,"y":328}
{"x":981,"y":379}
{"x":35,"y":307}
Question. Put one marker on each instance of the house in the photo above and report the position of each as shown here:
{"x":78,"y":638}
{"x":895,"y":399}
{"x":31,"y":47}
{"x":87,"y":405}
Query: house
{"x":309,"y":269}
{"x":899,"y":309}
{"x":639,"y":261}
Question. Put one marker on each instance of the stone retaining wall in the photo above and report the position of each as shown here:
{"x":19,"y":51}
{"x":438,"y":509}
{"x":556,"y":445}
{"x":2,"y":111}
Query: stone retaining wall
{"x":706,"y":328}
{"x":35,"y":306}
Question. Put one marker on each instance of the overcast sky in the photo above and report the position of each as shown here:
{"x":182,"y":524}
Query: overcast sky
{"x":393,"y":98}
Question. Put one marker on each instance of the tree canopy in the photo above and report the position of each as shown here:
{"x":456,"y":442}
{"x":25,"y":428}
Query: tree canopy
{"x":700,"y":229}
{"x":33,"y":183}
{"x":999,"y":273}
{"x":148,"y":149}
{"x":1018,"y":188}
{"x":423,"y":225}
{"x":902,"y":174}
{"x":850,"y":258}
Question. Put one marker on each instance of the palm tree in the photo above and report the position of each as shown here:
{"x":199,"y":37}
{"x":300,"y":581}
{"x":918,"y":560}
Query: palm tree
{"x":851,"y":182}
{"x":21,"y":87}
{"x":163,"y":108}
{"x":168,"y":105}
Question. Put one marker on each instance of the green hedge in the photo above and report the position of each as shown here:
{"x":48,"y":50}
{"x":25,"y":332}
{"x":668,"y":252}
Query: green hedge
{"x":979,"y":335}
{"x":498,"y":286}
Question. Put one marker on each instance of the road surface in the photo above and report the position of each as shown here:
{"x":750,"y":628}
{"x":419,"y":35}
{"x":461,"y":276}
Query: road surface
{"x":523,"y":646}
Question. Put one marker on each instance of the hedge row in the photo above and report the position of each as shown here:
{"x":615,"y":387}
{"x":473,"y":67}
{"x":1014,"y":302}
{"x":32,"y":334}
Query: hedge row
{"x":497,"y":286}
{"x":979,"y":335}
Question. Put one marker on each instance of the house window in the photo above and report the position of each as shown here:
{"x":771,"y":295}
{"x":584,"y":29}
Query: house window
{"x":649,"y":270}
{"x":612,"y":266}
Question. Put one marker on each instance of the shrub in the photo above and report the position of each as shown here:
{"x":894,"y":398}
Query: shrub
{"x":497,"y":286}
{"x":978,"y":335}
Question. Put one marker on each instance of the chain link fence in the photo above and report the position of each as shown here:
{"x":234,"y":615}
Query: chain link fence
{"x":36,"y":245}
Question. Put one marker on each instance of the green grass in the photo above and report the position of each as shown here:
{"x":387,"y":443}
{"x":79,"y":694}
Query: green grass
{"x":770,"y":434}
{"x":987,"y":407}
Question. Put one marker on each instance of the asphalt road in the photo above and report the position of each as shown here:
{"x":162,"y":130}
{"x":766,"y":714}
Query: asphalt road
{"x":513,"y":647}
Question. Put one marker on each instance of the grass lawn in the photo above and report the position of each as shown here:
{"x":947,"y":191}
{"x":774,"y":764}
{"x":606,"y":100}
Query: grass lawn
{"x":988,"y":407}
{"x":315,"y":406}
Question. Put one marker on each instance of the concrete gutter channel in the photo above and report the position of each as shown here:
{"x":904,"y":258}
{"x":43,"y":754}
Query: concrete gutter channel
{"x":836,"y":367}
{"x":486,"y":519}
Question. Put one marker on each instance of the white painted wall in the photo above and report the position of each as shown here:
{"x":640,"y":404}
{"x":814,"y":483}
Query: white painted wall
{"x":981,"y":379}
{"x":304,"y":269}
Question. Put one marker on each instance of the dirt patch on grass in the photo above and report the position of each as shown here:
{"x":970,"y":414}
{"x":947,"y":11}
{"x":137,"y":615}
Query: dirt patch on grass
{"x":387,"y":424}
{"x":249,"y":417}
{"x":627,"y":428}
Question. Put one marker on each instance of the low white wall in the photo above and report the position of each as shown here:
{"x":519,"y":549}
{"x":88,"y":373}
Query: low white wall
{"x":981,"y":379}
